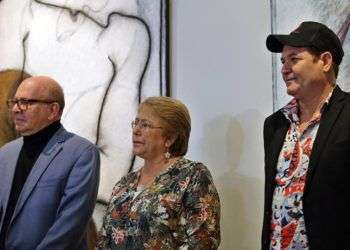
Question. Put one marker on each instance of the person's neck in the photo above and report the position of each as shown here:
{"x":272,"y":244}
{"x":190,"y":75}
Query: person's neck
{"x":153,"y":168}
{"x":43,"y":133}
{"x":158,"y":164}
{"x":34,"y":143}
{"x":312,"y":104}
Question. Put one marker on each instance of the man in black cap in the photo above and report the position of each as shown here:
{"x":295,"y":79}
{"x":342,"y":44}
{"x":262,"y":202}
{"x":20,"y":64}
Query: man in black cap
{"x":307,"y":146}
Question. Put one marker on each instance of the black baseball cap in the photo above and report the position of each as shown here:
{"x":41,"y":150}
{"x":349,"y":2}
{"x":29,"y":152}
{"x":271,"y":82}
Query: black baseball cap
{"x":309,"y":34}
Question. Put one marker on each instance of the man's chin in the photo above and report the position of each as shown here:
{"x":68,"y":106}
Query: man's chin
{"x":23,"y":132}
{"x":292,"y":91}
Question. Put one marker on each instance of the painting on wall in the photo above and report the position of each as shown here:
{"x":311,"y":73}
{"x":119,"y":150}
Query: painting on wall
{"x":108,"y":55}
{"x":287,"y":15}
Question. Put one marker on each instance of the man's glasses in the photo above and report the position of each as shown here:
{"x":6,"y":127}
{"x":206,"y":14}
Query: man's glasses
{"x":142,"y":124}
{"x":23,"y":104}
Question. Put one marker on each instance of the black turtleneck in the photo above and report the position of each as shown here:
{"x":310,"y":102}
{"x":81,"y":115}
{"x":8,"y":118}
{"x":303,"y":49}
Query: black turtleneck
{"x":33,"y":145}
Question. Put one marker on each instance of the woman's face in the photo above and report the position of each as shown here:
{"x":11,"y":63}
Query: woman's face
{"x":147,"y":137}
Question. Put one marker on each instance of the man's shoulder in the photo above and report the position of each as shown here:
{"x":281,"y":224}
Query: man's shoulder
{"x":347,"y":96}
{"x":273,"y":123}
{"x":77,"y":139}
{"x":12,"y":144}
{"x":276,"y":116}
{"x":10,"y":150}
{"x":73,"y":141}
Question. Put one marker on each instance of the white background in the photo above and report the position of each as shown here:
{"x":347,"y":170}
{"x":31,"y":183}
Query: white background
{"x":221,"y":70}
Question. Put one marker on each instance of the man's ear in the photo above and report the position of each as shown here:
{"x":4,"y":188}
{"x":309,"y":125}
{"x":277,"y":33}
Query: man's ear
{"x":327,"y":60}
{"x":55,"y":111}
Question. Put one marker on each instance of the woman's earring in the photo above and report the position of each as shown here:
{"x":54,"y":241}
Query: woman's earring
{"x":167,"y":155}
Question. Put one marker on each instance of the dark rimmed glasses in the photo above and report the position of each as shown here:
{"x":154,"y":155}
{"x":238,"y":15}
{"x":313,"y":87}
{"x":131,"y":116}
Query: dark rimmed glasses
{"x":24,"y":103}
{"x":142,"y":124}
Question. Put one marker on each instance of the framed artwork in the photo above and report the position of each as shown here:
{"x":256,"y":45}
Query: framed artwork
{"x":108,"y":55}
{"x":287,"y":15}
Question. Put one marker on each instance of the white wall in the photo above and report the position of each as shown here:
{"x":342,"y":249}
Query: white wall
{"x":222,"y":71}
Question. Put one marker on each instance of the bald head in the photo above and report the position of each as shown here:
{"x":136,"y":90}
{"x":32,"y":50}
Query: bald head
{"x":45,"y":88}
{"x":38,"y":102}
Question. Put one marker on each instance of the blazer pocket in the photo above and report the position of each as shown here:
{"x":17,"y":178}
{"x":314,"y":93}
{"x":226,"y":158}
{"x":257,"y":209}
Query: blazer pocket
{"x":50,"y":182}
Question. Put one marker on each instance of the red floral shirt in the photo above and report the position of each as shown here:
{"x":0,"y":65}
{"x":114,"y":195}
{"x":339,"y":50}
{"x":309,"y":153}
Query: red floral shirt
{"x":287,"y":224}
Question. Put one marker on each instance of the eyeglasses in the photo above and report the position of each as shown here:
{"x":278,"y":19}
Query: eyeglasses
{"x":23,"y":104}
{"x":142,"y":124}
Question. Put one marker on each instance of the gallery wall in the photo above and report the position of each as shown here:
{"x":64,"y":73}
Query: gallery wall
{"x":221,"y":69}
{"x":107,"y":55}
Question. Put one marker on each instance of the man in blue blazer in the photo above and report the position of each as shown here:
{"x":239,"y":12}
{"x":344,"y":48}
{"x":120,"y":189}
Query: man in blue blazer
{"x":48,"y":177}
{"x":307,"y":146}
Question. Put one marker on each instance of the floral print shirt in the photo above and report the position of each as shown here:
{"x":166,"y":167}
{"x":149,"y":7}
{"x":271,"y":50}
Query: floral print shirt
{"x":287,"y":225}
{"x":179,"y":210}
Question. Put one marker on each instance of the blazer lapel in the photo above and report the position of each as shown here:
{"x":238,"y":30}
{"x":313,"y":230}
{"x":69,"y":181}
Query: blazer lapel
{"x":50,"y":151}
{"x":328,"y":119}
{"x":276,"y":144}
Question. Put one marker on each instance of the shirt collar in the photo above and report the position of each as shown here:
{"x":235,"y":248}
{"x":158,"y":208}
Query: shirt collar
{"x":291,"y":110}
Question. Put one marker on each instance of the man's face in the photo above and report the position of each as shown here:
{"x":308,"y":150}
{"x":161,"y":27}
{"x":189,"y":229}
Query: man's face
{"x":301,"y":71}
{"x":38,"y":115}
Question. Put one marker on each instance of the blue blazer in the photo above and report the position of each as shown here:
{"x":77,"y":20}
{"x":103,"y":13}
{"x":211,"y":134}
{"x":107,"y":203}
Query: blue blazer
{"x":58,"y":197}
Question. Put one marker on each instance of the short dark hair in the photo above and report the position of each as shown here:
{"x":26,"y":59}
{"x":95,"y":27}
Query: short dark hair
{"x":317,"y":52}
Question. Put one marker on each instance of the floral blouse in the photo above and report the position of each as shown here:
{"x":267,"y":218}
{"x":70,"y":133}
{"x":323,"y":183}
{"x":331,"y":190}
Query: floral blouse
{"x":179,"y":210}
